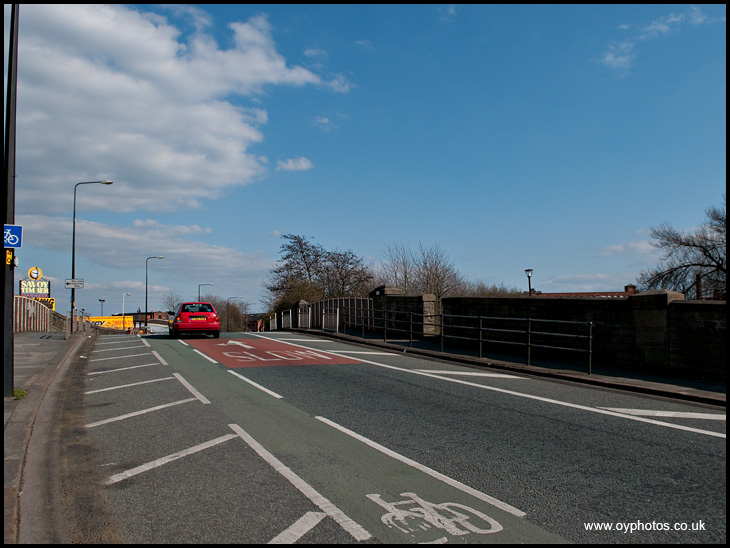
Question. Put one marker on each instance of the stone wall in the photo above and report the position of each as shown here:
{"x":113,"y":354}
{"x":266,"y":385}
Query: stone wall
{"x":395,"y":309}
{"x":653,"y":331}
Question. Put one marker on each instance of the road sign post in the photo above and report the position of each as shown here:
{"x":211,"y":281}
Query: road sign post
{"x":13,"y":236}
{"x":75,"y":283}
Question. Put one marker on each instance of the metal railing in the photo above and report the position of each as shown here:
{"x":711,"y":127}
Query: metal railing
{"x":359,"y":316}
{"x":30,"y":315}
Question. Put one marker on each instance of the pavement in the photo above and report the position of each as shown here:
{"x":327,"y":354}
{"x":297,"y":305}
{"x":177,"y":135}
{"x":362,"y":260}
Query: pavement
{"x":41,"y":358}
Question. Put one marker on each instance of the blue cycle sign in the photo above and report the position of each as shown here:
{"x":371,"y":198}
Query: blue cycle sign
{"x":13,"y":236}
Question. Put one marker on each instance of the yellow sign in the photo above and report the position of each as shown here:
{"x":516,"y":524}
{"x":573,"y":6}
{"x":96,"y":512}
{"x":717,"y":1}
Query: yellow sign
{"x":49,"y":302}
{"x":114,"y":322}
{"x":8,"y":256}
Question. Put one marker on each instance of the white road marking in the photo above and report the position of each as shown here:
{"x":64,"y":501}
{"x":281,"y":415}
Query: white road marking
{"x":299,"y":340}
{"x":115,"y":349}
{"x":137,"y":413}
{"x":368,"y":353}
{"x":164,"y":460}
{"x":426,"y":470}
{"x":120,"y":357}
{"x":249,"y":381}
{"x":192,"y":390}
{"x":472,"y":374}
{"x":237,"y":343}
{"x":118,"y":341}
{"x":353,"y":528}
{"x":160,"y":358}
{"x":299,"y":528}
{"x":122,"y":369}
{"x":206,"y":357}
{"x":537,"y":398}
{"x":128,"y":385}
{"x":668,"y":414}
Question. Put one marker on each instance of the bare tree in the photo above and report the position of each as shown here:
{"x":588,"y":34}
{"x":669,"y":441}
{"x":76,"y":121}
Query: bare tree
{"x":481,"y":289}
{"x":171,"y":300}
{"x":398,"y":269}
{"x":309,"y":272}
{"x":694,"y":262}
{"x":345,"y":274}
{"x":435,"y":273}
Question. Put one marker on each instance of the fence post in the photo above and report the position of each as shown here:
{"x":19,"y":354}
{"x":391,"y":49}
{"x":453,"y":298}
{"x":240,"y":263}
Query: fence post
{"x":442,"y":331}
{"x":590,"y":347}
{"x":481,"y":326}
{"x":410,"y":328}
{"x":529,"y":332}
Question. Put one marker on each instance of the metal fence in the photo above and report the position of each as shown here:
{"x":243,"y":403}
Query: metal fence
{"x":30,"y":315}
{"x":357,"y":316}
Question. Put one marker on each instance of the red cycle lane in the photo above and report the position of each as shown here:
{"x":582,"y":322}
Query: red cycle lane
{"x":234,"y":353}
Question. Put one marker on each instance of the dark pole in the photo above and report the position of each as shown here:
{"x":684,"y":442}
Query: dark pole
{"x":9,"y":209}
{"x":73,"y":244}
{"x":146,"y":268}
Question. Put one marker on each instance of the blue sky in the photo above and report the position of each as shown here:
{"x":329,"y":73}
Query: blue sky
{"x":512,"y":137}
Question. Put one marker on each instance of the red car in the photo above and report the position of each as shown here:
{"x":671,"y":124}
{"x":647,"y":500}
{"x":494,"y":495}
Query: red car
{"x":194,"y":318}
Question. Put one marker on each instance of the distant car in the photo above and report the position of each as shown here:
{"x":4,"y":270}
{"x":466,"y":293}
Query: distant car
{"x":194,"y":318}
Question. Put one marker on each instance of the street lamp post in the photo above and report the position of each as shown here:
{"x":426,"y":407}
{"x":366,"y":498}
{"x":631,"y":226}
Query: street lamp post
{"x":146,"y":264}
{"x":199,"y":286}
{"x":123,"y":322}
{"x":528,"y":271}
{"x":73,"y":241}
{"x":102,"y":301}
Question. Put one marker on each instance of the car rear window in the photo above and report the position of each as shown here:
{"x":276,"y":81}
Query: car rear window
{"x":197,"y":308}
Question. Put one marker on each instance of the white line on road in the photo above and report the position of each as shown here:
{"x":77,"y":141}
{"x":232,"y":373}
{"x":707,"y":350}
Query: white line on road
{"x":368,"y":353}
{"x":128,"y":385}
{"x":192,"y":390}
{"x":122,"y":369}
{"x":137,"y":413}
{"x":159,"y":358}
{"x":115,"y":349}
{"x":353,"y":528}
{"x":120,"y":357}
{"x":206,"y":357}
{"x":533,"y":397}
{"x":299,"y":528}
{"x":472,"y":374}
{"x":164,"y":460}
{"x":668,"y":414}
{"x":249,"y":381}
{"x":426,"y":470}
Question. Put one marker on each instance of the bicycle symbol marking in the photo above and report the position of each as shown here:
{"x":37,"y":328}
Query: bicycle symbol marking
{"x":10,"y":238}
{"x":414,"y":514}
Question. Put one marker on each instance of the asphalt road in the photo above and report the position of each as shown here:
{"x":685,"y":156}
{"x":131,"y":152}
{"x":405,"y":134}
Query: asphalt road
{"x":299,"y":439}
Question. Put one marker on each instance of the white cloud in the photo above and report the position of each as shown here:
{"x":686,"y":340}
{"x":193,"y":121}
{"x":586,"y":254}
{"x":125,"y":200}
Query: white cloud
{"x":134,"y":102}
{"x":118,"y":248}
{"x":294,"y":164}
{"x":621,"y":54}
{"x":629,"y":248}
